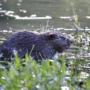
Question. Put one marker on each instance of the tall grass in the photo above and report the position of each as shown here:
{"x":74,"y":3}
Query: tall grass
{"x":47,"y":75}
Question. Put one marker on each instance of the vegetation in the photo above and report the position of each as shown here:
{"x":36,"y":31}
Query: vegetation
{"x":47,"y":75}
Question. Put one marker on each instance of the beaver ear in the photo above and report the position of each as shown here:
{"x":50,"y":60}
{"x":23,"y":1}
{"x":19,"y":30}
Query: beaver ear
{"x":51,"y":36}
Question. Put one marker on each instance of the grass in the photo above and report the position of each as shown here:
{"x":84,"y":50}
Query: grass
{"x":32,"y":76}
{"x":47,"y":75}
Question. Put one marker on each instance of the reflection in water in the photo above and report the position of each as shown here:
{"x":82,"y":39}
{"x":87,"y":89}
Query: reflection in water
{"x":57,"y":10}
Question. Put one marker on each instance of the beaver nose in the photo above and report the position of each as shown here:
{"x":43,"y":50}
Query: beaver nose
{"x":69,"y":41}
{"x":66,"y":39}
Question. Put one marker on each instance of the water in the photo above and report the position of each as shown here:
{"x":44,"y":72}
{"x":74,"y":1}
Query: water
{"x":53,"y":8}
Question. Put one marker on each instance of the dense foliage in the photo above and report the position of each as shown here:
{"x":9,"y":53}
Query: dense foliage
{"x":47,"y":75}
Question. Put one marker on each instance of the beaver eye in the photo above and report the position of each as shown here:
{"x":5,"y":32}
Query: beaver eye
{"x":51,"y":36}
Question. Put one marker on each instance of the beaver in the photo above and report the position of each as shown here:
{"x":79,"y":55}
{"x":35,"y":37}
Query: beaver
{"x":38,"y":45}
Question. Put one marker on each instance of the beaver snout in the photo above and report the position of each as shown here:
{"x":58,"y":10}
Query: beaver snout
{"x":69,"y":41}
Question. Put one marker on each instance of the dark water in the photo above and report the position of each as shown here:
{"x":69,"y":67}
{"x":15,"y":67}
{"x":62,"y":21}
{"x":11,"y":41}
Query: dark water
{"x":42,"y":8}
